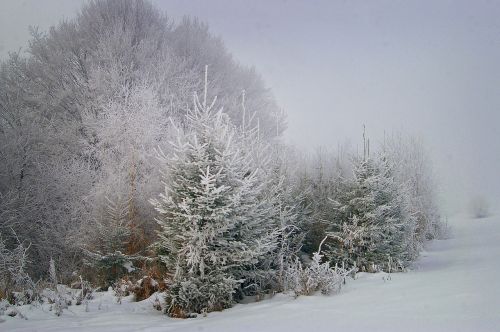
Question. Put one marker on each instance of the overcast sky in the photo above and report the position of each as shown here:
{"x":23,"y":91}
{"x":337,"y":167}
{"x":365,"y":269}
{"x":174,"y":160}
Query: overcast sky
{"x":430,"y":68}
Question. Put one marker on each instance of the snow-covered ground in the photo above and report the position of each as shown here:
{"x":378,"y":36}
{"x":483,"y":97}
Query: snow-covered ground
{"x":455,"y":286}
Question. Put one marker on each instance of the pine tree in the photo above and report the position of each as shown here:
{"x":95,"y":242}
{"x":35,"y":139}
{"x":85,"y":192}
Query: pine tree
{"x":398,"y":226}
{"x":106,"y":251}
{"x":371,"y":229}
{"x":355,"y":230}
{"x":413,"y":170}
{"x":212,"y":219}
{"x":288,"y":219}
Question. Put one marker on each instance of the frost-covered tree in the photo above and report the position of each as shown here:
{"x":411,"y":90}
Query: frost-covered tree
{"x":281,"y":199}
{"x":26,"y":197}
{"x":106,"y":251}
{"x":82,"y":108}
{"x":213,"y":223}
{"x":317,"y":180}
{"x":371,"y":224}
{"x":125,"y":131}
{"x":13,"y":276}
{"x":399,"y":223}
{"x":412,"y":168}
{"x":289,"y":219}
{"x":356,"y":230}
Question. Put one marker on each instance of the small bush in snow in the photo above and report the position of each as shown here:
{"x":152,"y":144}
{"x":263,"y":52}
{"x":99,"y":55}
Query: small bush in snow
{"x":189,"y":295}
{"x":122,"y":288}
{"x":157,"y":304}
{"x":57,"y":295}
{"x":85,"y":294}
{"x":146,"y":287}
{"x":4,"y":304}
{"x":317,"y":276}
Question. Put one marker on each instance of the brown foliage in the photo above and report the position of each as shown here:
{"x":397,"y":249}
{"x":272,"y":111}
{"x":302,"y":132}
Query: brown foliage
{"x":153,"y":281}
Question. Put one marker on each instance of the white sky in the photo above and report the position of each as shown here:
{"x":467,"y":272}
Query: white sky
{"x":431,"y":68}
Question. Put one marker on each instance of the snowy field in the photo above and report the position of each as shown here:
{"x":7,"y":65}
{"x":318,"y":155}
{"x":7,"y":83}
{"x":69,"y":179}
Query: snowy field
{"x":455,"y":286}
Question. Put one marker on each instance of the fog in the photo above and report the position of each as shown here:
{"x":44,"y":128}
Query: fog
{"x":424,"y":67}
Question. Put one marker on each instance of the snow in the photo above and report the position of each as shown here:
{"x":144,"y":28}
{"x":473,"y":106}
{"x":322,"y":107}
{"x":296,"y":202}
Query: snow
{"x":454,"y":286}
{"x":129,"y":266}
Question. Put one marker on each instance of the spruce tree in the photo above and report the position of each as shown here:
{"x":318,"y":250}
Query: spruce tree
{"x":211,"y":215}
{"x":355,"y":230}
{"x":371,"y":227}
{"x":107,"y":253}
{"x":396,"y":224}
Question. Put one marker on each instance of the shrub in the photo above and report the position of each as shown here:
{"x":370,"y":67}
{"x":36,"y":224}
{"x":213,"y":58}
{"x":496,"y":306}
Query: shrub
{"x":317,"y":276}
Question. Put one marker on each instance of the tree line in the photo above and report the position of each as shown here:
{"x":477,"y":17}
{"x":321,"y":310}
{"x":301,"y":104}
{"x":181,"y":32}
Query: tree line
{"x":136,"y":147}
